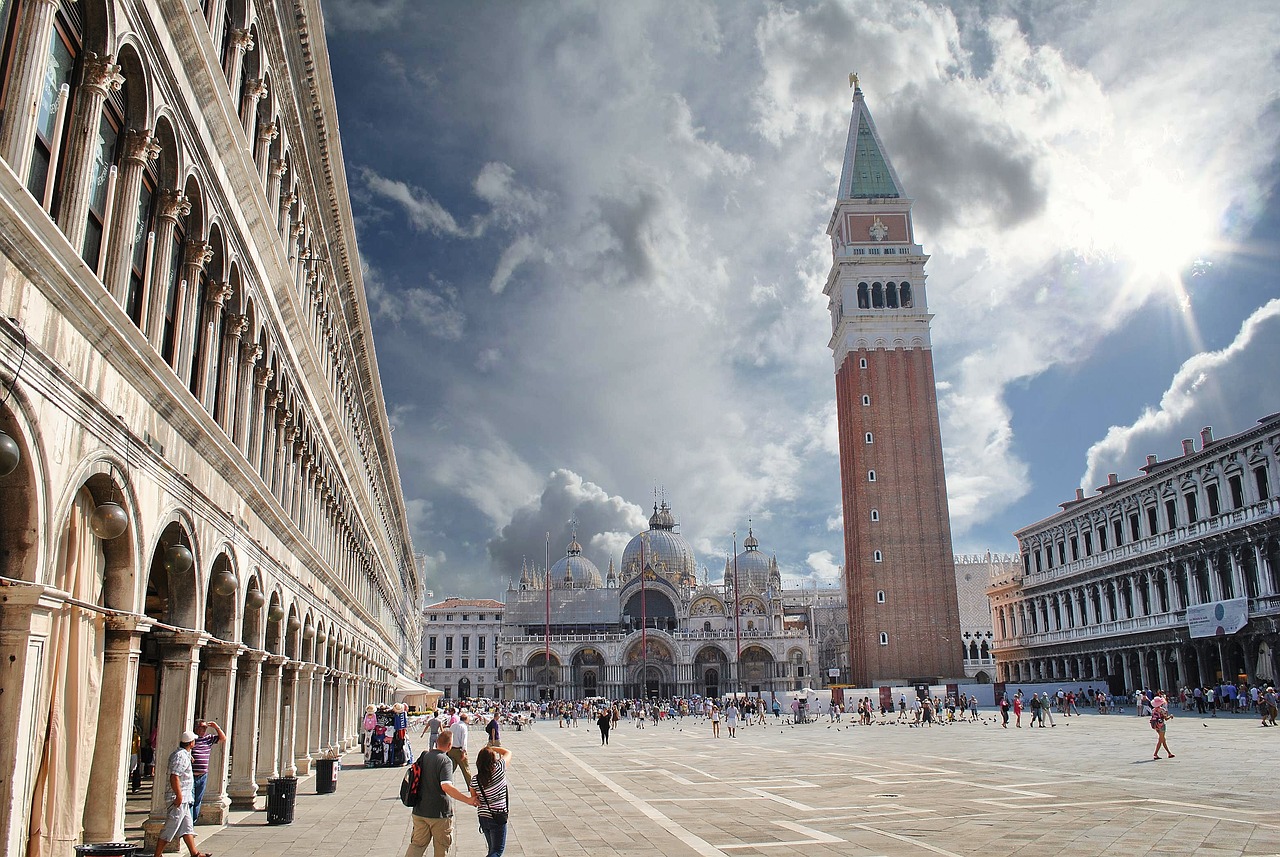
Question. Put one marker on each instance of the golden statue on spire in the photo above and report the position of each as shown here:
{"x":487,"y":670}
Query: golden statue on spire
{"x":853,"y":79}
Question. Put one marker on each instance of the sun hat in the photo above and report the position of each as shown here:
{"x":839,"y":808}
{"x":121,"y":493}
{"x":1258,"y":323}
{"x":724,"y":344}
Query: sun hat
{"x":186,"y":737}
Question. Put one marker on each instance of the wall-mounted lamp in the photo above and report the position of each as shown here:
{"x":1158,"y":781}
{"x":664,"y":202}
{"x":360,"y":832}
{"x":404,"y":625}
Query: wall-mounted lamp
{"x":275,"y":612}
{"x":109,"y":520}
{"x":224,"y":583}
{"x":10,"y":453}
{"x":254,"y":599}
{"x":178,"y":558}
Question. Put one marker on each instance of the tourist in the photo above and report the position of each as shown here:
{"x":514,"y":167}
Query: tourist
{"x":1160,"y":714}
{"x":492,"y":729}
{"x":178,"y":793}
{"x":1017,"y":709}
{"x":604,"y":721}
{"x":433,"y":813}
{"x":432,"y":730}
{"x":1046,"y":709}
{"x":715,"y":721}
{"x":200,"y":754}
{"x":458,"y":749}
{"x":1004,"y":711}
{"x":490,"y":790}
{"x":731,"y":719}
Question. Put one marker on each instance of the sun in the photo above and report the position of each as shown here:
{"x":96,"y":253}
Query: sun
{"x":1164,"y":228}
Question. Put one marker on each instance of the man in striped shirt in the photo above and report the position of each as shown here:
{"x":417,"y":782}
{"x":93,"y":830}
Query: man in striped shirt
{"x":208,"y":733}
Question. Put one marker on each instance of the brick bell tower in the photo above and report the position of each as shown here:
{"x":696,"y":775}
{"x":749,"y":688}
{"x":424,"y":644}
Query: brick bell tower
{"x":899,"y":573}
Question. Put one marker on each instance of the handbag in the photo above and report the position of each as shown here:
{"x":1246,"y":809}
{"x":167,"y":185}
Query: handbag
{"x":496,"y":816}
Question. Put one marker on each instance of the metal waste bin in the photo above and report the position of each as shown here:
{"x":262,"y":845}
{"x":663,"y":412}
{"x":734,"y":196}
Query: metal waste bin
{"x":281,"y":793}
{"x":327,"y":776}
{"x":107,"y":849}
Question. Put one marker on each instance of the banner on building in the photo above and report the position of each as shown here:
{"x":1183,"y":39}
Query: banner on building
{"x":1218,"y":618}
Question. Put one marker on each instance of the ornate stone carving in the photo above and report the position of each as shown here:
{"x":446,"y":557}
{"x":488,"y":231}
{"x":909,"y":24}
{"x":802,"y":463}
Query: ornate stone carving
{"x":101,"y":73}
{"x":251,"y":352}
{"x":279,"y":166}
{"x":173,"y":205}
{"x":262,"y":375}
{"x":236,"y":325}
{"x":139,"y":145}
{"x":269,"y":132}
{"x":255,"y":89}
{"x":197,"y":253}
{"x":241,"y":39}
{"x":219,"y":291}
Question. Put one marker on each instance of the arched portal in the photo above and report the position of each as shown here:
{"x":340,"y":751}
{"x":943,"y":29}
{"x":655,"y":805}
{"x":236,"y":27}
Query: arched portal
{"x":650,"y":666}
{"x":544,"y":674}
{"x":756,"y":670}
{"x":651,"y":608}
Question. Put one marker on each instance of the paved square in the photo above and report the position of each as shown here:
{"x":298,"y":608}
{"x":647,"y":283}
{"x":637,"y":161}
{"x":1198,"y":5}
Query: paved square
{"x":1086,"y":786}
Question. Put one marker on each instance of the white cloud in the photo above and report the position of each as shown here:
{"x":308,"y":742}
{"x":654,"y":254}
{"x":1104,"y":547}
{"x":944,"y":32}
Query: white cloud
{"x":1239,"y":380}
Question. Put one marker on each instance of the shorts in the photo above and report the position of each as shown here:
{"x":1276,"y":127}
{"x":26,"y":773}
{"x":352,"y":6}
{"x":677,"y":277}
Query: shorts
{"x":177,"y":822}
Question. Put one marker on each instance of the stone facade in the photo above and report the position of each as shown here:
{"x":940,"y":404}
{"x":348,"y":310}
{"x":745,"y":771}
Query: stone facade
{"x":654,"y":630}
{"x":460,"y":646}
{"x":1106,"y":588}
{"x":204,"y":518}
{"x":903,"y":616}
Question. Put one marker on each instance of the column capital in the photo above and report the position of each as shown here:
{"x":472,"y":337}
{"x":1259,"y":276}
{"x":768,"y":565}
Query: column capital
{"x":187,"y":639}
{"x":219,"y":290}
{"x":262,"y":376}
{"x":222,"y":649}
{"x":287,"y":200}
{"x":237,"y":324}
{"x":275,"y":660}
{"x":250,"y":352}
{"x":299,"y":229}
{"x":241,"y":39}
{"x":255,"y":88}
{"x":140,"y":146}
{"x":101,"y":74}
{"x":253,"y":656}
{"x":279,"y":166}
{"x":128,"y":623}
{"x":274,"y":399}
{"x":197,"y":253}
{"x":269,"y":132}
{"x":173,"y":205}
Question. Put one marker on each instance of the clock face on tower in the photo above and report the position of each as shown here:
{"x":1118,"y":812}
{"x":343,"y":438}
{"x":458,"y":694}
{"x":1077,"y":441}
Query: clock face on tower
{"x":878,"y":230}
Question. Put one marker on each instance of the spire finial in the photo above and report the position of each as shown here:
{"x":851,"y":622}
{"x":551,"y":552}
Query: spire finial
{"x":853,"y":80}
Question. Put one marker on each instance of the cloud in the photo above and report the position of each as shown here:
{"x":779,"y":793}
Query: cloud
{"x":435,"y":310}
{"x":364,"y":15}
{"x":1237,"y":382}
{"x":519,"y":252}
{"x":824,"y":565}
{"x":605,"y":524}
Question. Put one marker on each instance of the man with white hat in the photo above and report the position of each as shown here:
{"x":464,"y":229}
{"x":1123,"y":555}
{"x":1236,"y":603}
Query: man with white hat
{"x":179,"y":792}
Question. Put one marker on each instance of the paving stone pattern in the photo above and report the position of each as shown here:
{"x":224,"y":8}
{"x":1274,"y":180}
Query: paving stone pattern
{"x":1087,"y":786}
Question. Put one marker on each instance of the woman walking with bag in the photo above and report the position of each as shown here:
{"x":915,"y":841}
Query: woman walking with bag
{"x":1159,"y":715}
{"x":490,"y":788}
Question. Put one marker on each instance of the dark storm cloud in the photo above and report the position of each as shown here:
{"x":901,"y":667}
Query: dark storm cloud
{"x":962,"y":170}
{"x":605,"y":523}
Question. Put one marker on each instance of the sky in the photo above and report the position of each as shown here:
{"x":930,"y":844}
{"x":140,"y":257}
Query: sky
{"x":594,"y":245}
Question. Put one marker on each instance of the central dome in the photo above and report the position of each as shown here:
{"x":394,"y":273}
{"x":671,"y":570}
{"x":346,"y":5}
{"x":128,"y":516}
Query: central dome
{"x":754,"y":569}
{"x":665,"y":551}
{"x":575,"y":571}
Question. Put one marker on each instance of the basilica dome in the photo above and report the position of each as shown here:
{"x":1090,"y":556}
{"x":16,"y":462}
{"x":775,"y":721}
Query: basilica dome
{"x":754,"y":569}
{"x":575,"y":571}
{"x":667,"y":552}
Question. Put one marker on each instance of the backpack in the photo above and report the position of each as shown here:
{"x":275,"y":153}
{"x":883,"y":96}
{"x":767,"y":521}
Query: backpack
{"x":411,"y":785}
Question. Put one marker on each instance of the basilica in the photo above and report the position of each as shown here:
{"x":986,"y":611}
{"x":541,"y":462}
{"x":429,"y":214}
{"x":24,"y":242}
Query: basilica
{"x":649,"y":628}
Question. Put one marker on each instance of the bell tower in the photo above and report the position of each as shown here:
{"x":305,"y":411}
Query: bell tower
{"x":899,"y":572}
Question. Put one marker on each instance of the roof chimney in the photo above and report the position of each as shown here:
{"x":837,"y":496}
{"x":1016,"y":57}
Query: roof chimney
{"x":1079,"y":493}
{"x":1206,"y":436}
{"x":1152,"y":460}
{"x":1112,"y":479}
{"x":1188,"y":446}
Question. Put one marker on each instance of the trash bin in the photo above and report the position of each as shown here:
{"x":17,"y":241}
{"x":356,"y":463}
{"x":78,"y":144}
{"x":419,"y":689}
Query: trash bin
{"x":281,"y":793}
{"x":327,"y":776}
{"x":107,"y":849}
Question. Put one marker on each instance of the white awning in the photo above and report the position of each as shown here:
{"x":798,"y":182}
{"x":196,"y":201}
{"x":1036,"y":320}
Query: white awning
{"x":415,"y":693}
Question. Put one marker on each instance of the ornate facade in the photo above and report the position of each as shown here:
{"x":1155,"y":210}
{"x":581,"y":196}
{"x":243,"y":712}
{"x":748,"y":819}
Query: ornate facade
{"x":460,"y":646}
{"x":654,"y":630}
{"x":898,"y":570}
{"x":200,"y":515}
{"x":1108,"y":589}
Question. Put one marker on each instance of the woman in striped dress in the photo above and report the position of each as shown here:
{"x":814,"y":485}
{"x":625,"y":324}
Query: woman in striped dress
{"x":489,"y":785}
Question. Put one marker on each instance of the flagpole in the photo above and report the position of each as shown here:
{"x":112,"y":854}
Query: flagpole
{"x":644,"y":629}
{"x":546,"y":654}
{"x":737,"y":611}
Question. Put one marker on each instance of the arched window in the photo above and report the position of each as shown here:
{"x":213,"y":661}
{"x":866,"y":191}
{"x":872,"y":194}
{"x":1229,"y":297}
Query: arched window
{"x":878,"y":557}
{"x":862,"y":363}
{"x":53,"y":108}
{"x":880,"y":596}
{"x":884,"y":638}
{"x":875,"y":515}
{"x":904,"y":295}
{"x":877,"y":296}
{"x":866,"y":400}
{"x":706,"y":626}
{"x":871,"y":476}
{"x":892,"y":295}
{"x":869,"y":438}
{"x":864,"y":298}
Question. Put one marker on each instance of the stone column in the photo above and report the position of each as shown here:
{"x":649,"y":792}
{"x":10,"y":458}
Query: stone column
{"x":101,"y":76}
{"x":171,"y":207}
{"x":1237,"y":573}
{"x":283,"y":223}
{"x":269,"y":720}
{"x":262,"y":146}
{"x":302,"y":729}
{"x":220,"y":664}
{"x":275,"y":174}
{"x":253,"y":410}
{"x":204,"y":366}
{"x":1215,"y":585}
{"x":25,"y":624}
{"x":196,"y":254}
{"x":138,"y":147}
{"x":180,"y":662}
{"x":240,"y":43}
{"x":104,"y":804}
{"x":278,"y":458}
{"x":244,"y":736}
{"x":315,"y":738}
{"x":228,"y":379}
{"x":289,"y":718}
{"x":26,"y":80}
{"x":242,"y":417}
{"x":254,"y":91}
{"x":1260,"y":562}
